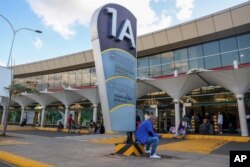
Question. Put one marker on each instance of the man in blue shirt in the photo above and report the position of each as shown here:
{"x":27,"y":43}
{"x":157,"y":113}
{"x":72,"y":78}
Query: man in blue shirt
{"x":145,"y":135}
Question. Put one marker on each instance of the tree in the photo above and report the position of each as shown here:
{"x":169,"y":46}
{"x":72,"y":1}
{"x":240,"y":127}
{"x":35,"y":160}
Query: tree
{"x":15,"y":90}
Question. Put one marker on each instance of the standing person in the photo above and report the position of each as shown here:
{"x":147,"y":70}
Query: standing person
{"x":182,"y":129}
{"x":60,"y":126}
{"x":70,"y":122}
{"x":25,"y":119}
{"x":146,"y":116}
{"x":146,"y":135}
{"x":220,"y":122}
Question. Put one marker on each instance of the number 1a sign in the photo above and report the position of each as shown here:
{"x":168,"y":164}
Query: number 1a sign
{"x":114,"y":45}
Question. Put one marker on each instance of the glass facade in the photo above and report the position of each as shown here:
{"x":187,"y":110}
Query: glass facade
{"x":209,"y":55}
{"x":76,"y":78}
{"x":212,"y":55}
{"x":229,"y":51}
{"x":167,"y":65}
{"x":143,"y":67}
{"x":244,"y":48}
{"x":196,"y":59}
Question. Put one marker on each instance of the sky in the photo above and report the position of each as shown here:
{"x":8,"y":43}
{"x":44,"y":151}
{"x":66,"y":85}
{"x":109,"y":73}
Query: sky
{"x":65,"y":24}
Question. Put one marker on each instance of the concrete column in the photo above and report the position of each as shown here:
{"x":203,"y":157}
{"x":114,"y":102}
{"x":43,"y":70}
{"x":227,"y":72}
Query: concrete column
{"x":79,"y":117}
{"x":183,"y":110}
{"x":95,"y":113}
{"x":242,"y":114}
{"x":73,"y":114}
{"x":22,"y":113}
{"x":177,"y":113}
{"x":4,"y":110}
{"x":66,"y":116}
{"x":39,"y":115}
{"x":43,"y":115}
{"x":156,"y":111}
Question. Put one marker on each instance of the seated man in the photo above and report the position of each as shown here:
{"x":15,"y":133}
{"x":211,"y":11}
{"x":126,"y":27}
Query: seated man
{"x":146,"y":135}
{"x":181,"y":129}
{"x":92,"y":127}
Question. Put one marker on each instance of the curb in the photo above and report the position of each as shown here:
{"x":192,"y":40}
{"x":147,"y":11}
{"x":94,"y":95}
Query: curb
{"x":21,"y":161}
{"x":81,"y":131}
{"x":227,"y":138}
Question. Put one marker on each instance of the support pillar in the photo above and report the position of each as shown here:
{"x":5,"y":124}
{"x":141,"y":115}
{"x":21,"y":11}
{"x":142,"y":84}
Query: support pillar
{"x":43,"y":115}
{"x":22,"y":113}
{"x":73,"y":114}
{"x":242,"y":114}
{"x":4,"y":110}
{"x":79,"y":117}
{"x":66,"y":116}
{"x":183,"y":110}
{"x":177,"y":113}
{"x":39,"y":119}
{"x":95,"y":113}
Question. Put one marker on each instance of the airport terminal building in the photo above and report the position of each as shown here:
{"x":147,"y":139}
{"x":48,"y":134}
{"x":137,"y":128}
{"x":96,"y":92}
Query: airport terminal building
{"x":201,"y":66}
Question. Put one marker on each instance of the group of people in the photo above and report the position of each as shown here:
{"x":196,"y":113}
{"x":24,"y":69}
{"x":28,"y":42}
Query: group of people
{"x":96,"y":128}
{"x":73,"y":126}
{"x":206,"y":124}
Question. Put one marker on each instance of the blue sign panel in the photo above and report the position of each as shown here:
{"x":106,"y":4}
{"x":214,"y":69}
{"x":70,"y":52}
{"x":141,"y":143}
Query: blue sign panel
{"x":114,"y":45}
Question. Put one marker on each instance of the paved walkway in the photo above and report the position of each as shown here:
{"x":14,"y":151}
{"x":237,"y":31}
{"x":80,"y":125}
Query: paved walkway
{"x":67,"y":149}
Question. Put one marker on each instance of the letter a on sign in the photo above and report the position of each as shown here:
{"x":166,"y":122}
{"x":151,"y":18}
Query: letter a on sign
{"x":237,"y":158}
{"x":114,"y":46}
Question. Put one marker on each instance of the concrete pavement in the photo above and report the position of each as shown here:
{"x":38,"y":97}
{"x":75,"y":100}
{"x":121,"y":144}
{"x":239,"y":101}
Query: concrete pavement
{"x":73,"y":149}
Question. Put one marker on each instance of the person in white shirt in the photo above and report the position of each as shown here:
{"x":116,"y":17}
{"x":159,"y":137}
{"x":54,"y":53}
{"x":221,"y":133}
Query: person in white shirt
{"x":182,"y":129}
{"x":146,"y":116}
{"x":220,"y":122}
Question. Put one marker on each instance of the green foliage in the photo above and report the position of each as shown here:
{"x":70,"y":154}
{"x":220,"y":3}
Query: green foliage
{"x":17,"y":89}
{"x":52,"y":116}
{"x":14,"y":116}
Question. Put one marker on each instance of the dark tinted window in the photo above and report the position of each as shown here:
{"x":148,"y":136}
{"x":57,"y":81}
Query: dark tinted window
{"x":228,"y":44}
{"x":211,"y":48}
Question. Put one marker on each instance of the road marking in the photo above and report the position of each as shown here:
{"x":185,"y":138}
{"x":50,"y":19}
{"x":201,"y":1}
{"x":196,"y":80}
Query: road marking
{"x":11,"y":142}
{"x":20,"y":160}
{"x":113,"y":140}
{"x":105,"y":139}
{"x":195,"y":145}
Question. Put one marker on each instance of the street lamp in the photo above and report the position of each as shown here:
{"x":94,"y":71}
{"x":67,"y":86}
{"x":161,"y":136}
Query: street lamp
{"x":14,"y":35}
{"x":14,"y":31}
